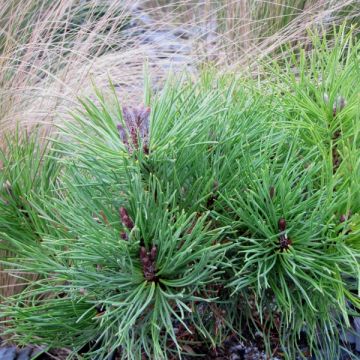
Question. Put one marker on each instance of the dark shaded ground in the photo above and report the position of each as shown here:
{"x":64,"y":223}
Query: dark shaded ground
{"x":250,"y":347}
{"x":232,"y":349}
{"x":9,"y":352}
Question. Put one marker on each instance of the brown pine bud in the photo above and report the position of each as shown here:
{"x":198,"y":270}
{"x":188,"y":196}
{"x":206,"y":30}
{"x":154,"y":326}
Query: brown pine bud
{"x":339,"y":105}
{"x":146,"y":149}
{"x":334,"y":111}
{"x":341,"y":102}
{"x":125,"y":218}
{"x":135,"y":127}
{"x":134,"y":137}
{"x":123,"y":235}
{"x":343,"y":218}
{"x":284,"y":242}
{"x":143,"y":252}
{"x":145,"y":261}
{"x":282,"y":224}
{"x":153,"y":253}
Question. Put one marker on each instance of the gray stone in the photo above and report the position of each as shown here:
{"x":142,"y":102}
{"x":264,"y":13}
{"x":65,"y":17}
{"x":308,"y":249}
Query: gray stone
{"x":24,"y":354}
{"x":348,"y":336}
{"x":8,"y":353}
{"x":357,"y":333}
{"x":182,"y":33}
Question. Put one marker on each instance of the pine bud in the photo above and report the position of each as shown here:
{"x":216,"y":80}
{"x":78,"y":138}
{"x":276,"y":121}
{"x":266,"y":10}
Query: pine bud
{"x":145,"y":261}
{"x":135,"y":128}
{"x":153,"y":253}
{"x":125,"y":218}
{"x":339,"y":105}
{"x":345,"y":217}
{"x":146,"y":150}
{"x":284,"y":242}
{"x":123,"y":135}
{"x":123,"y":235}
{"x":134,"y":137}
{"x":282,"y":224}
{"x":342,"y":218}
{"x":143,"y":253}
{"x":272,"y":192}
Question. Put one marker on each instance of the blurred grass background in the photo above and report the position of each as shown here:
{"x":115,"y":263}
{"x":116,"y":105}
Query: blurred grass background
{"x":52,"y":51}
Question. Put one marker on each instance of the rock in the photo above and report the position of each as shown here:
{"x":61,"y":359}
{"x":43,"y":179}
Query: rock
{"x":8,"y":353}
{"x":357,"y":333}
{"x":348,"y":337}
{"x":24,"y":354}
{"x":182,"y":33}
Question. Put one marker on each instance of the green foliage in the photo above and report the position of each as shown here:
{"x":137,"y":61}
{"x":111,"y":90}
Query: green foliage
{"x":227,"y":206}
{"x":27,"y":171}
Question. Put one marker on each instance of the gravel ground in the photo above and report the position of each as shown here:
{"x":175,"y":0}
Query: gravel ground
{"x":233,"y":349}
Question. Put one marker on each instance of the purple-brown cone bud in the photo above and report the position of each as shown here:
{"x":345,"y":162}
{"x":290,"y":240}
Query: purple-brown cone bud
{"x":143,"y":253}
{"x":282,"y":224}
{"x":284,"y":240}
{"x":135,"y":127}
{"x":345,"y":217}
{"x":124,"y":235}
{"x":339,"y":105}
{"x":148,"y":264}
{"x":145,"y":261}
{"x":146,"y":150}
{"x":153,"y":253}
{"x":134,"y":138}
{"x":125,"y":218}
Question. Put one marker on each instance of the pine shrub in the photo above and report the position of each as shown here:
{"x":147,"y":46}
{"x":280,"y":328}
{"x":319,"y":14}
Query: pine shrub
{"x":228,"y":207}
